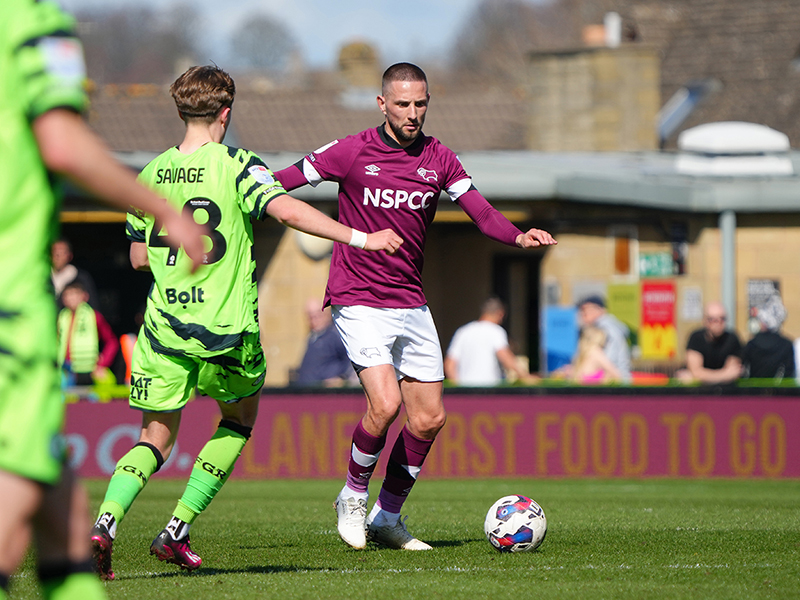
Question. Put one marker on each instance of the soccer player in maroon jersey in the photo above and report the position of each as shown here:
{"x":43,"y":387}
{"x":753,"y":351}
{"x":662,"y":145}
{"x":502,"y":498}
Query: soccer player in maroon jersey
{"x":391,"y":176}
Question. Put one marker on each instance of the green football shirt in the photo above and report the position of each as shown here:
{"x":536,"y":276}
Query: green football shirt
{"x":41,"y":68}
{"x":206,"y":312}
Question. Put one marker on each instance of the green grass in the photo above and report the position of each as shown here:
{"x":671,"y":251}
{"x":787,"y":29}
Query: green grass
{"x":638,"y":539}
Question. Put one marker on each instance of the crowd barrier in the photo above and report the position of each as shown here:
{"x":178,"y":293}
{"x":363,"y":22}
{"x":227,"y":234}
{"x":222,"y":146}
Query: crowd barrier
{"x":506,"y":432}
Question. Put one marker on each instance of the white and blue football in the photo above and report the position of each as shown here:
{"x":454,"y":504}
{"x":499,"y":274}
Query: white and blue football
{"x":515,"y":524}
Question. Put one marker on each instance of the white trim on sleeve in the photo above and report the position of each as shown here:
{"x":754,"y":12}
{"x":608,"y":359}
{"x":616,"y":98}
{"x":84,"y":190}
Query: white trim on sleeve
{"x":459,"y":188}
{"x":311,"y":174}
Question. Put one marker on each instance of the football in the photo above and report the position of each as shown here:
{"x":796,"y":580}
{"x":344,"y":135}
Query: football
{"x":515,"y":524}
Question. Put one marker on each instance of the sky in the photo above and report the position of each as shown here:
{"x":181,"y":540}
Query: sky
{"x":409,"y":30}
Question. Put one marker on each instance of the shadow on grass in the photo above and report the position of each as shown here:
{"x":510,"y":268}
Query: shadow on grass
{"x":453,"y":543}
{"x":438,"y":544}
{"x":267,"y":569}
{"x":255,"y":570}
{"x":370,"y":545}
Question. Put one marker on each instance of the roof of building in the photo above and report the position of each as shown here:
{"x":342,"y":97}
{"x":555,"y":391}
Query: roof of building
{"x":750,"y":47}
{"x":143,"y":117}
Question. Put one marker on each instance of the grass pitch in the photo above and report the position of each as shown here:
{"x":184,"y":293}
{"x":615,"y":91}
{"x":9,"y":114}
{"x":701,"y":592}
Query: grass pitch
{"x":606,"y":539}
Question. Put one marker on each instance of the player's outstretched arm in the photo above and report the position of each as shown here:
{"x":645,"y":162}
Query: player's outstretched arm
{"x":291,"y":177}
{"x":494,"y":225}
{"x":533,"y":238}
{"x":297,"y":214}
{"x":70,"y":148}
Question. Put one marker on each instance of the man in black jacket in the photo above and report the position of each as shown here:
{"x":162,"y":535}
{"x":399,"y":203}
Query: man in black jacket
{"x":713,"y":353}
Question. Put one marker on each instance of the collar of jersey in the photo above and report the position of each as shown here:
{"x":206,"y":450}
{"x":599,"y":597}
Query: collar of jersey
{"x":393,"y":144}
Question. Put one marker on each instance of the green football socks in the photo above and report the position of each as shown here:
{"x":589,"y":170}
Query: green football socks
{"x":130,"y":476}
{"x":211,"y":469}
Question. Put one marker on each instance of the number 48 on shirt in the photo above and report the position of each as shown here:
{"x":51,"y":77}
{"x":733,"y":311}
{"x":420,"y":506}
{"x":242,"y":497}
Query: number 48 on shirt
{"x":210,"y":216}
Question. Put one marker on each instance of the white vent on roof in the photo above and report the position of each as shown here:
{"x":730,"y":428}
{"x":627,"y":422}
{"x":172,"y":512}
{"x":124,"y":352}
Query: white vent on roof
{"x":733,"y":148}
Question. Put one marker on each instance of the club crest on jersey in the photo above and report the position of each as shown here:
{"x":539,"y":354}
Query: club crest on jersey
{"x":372,"y":170}
{"x":261,"y":174}
{"x":427,"y":175}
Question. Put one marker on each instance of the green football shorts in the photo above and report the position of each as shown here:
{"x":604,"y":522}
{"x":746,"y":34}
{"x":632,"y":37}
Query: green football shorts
{"x":165,"y":383}
{"x":31,"y":402}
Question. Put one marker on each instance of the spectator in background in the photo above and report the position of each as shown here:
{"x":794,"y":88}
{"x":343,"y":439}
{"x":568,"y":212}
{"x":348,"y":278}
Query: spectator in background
{"x":769,"y":354}
{"x":479,"y":354}
{"x":592,"y":312}
{"x":86,"y":344}
{"x":63,"y":272}
{"x":713,"y":353}
{"x":325,"y":361}
{"x":591,"y":365}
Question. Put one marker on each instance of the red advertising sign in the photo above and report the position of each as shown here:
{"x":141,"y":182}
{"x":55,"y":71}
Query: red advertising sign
{"x":498,"y":435}
{"x":659,"y":338}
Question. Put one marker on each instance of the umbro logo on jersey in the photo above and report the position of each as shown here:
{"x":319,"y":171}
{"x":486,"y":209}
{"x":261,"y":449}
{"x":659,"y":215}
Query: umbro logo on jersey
{"x":427,"y":175}
{"x":372,"y":170}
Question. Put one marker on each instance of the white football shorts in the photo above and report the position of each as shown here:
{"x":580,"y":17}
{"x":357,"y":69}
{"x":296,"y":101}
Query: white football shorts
{"x":403,"y":337}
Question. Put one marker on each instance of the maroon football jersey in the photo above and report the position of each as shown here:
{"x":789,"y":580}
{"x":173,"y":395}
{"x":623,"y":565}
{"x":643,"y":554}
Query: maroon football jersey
{"x":382,"y":185}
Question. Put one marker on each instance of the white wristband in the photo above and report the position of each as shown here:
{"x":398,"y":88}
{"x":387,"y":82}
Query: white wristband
{"x":358,"y":239}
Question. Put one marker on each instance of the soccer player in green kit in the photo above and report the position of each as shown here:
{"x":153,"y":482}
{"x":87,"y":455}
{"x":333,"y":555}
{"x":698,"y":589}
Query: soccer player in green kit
{"x":200,"y":331}
{"x":41,"y":95}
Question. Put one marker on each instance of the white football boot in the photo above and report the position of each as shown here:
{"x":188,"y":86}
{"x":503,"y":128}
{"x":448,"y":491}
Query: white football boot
{"x":352,"y":514}
{"x":393,"y":534}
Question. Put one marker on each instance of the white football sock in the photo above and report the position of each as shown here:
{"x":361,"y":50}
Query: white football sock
{"x":110,"y":523}
{"x":381,"y":516}
{"x":177,"y":529}
{"x":348,"y":492}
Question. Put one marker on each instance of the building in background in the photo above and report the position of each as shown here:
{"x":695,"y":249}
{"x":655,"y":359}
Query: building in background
{"x":585,"y":145}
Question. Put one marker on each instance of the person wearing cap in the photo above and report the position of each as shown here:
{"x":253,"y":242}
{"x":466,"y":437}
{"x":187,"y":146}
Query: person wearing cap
{"x":713,"y":353}
{"x":592,"y":312}
{"x":769,"y":354}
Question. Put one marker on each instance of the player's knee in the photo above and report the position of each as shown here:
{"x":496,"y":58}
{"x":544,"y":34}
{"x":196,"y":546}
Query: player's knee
{"x":429,"y":425}
{"x":383,"y":412}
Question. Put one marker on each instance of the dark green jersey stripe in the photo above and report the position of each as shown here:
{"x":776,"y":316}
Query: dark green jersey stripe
{"x":212,"y":342}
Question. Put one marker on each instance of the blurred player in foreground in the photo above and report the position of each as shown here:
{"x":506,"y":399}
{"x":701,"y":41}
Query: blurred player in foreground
{"x":391,"y":176}
{"x":41,"y":95}
{"x":200,"y":331}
